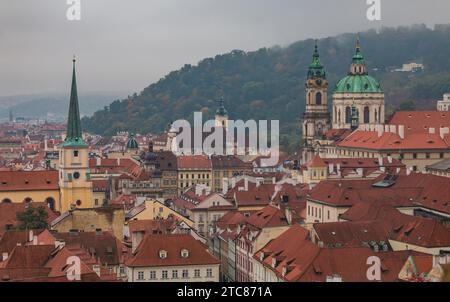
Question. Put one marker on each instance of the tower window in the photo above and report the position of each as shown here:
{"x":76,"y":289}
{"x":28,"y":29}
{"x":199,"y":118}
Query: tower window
{"x":348,"y":115}
{"x":366,"y":115}
{"x":75,"y":153}
{"x":318,"y":98}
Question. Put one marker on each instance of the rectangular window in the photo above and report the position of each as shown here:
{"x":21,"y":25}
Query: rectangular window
{"x":140,"y":275}
{"x":428,"y":155}
{"x":175,"y":274}
{"x":185,"y":273}
{"x":197,"y":273}
{"x":75,"y":153}
{"x":209,"y":272}
{"x":414,"y":155}
{"x":152,"y":275}
{"x":164,"y":275}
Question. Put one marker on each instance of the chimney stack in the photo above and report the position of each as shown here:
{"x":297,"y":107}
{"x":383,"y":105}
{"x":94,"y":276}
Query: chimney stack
{"x":401,"y":131}
{"x":443,"y":131}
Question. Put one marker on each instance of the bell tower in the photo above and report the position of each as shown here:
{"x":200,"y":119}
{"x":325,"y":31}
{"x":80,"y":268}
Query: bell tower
{"x":221,"y":118}
{"x":316,"y":116}
{"x":74,"y":177}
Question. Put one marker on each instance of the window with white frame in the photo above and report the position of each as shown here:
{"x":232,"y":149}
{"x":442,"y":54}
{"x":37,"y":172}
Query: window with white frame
{"x":185,"y":273}
{"x":209,"y":272}
{"x":197,"y":273}
{"x":152,"y":275}
{"x":140,"y":275}
{"x":164,"y":274}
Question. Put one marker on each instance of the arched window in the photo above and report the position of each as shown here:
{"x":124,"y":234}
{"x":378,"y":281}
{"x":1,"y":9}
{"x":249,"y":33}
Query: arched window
{"x":366,"y":115}
{"x":339,"y":116}
{"x":376,"y":116}
{"x":6,"y":200}
{"x":348,"y":115}
{"x":28,"y":200}
{"x":318,"y":98}
{"x":50,"y":203}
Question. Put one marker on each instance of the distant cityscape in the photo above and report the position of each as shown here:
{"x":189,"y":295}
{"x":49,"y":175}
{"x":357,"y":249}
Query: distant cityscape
{"x":75,"y":206}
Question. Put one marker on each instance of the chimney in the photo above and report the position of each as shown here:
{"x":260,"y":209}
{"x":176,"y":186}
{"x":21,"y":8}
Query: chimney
{"x":360,"y":172}
{"x":4,"y":256}
{"x":380,"y":161}
{"x":389,"y":159}
{"x":392,"y":129}
{"x":35,"y":240}
{"x":98,"y":161}
{"x":386,"y":128}
{"x":274,"y":180}
{"x":380,"y":130}
{"x":330,"y":168}
{"x":339,"y":170}
{"x":443,"y":132}
{"x":431,"y":130}
{"x":30,"y":236}
{"x":233,"y":182}
{"x":288,"y":214}
{"x":224,"y":185}
{"x":408,"y":171}
{"x":401,"y":131}
{"x":245,"y":184}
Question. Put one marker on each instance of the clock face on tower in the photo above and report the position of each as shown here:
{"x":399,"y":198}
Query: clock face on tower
{"x":319,"y":82}
{"x":76,"y":175}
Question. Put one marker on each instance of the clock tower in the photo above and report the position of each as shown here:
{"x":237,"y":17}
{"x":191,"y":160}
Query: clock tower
{"x":74,"y":178}
{"x":316,"y":117}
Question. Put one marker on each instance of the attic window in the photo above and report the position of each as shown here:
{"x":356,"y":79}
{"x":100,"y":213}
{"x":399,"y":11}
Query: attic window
{"x":48,"y":181}
{"x":26,"y":181}
{"x":162,"y":254}
{"x":184,"y":253}
{"x":109,"y":250}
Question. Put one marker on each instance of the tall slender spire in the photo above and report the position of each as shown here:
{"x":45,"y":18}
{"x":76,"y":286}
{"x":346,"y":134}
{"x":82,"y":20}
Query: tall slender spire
{"x":316,"y":69}
{"x":74,"y":135}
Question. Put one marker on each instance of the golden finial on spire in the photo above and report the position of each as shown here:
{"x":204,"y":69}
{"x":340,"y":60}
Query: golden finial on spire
{"x":358,"y":42}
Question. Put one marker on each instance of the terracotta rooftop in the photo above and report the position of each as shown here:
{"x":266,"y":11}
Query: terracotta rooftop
{"x":148,"y":252}
{"x":29,"y":180}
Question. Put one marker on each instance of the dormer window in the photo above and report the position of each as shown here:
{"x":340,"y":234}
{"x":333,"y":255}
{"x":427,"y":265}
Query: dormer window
{"x":184,"y":253}
{"x":75,"y":153}
{"x":162,"y":254}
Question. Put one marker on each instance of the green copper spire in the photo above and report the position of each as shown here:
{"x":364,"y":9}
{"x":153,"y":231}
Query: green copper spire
{"x":316,"y":69}
{"x":358,"y":58}
{"x":74,"y":136}
{"x":221,"y":110}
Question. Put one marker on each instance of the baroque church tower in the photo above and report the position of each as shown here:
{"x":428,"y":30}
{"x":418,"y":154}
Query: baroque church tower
{"x":221,"y":118}
{"x":358,"y":91}
{"x":316,"y":116}
{"x":74,"y":179}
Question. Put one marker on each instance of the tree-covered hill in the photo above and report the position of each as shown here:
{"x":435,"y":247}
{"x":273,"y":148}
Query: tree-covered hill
{"x":269,"y":83}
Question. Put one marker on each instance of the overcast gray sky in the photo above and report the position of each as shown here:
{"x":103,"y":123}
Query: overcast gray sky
{"x":124,"y":45}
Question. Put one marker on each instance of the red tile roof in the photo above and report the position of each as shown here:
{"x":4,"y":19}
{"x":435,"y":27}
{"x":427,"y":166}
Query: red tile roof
{"x":425,"y":232}
{"x":268,"y":217}
{"x":147,"y":253}
{"x":316,"y":162}
{"x":421,"y":121}
{"x":295,"y":258}
{"x":196,"y":162}
{"x":29,"y":180}
{"x":369,"y":140}
{"x":351,"y":234}
{"x":8,"y":213}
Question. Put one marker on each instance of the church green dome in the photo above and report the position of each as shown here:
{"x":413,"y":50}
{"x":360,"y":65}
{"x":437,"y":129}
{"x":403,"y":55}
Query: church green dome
{"x":357,"y":83}
{"x":358,"y":80}
{"x":132,"y":143}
